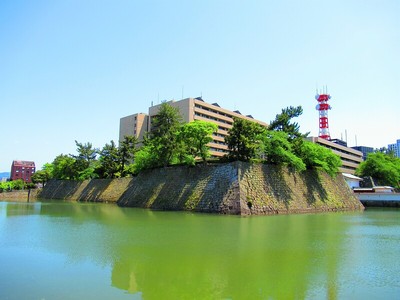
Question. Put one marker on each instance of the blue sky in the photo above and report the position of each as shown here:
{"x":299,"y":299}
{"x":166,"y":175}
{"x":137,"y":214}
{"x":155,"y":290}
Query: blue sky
{"x":72,"y":69}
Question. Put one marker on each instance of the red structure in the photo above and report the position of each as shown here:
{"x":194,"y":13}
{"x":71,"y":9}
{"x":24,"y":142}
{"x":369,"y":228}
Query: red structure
{"x":323,"y":108}
{"x":22,"y":170}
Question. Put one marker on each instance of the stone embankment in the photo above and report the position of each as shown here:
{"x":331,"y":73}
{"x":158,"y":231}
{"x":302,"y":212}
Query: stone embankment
{"x":232,"y":188}
{"x":23,"y":195}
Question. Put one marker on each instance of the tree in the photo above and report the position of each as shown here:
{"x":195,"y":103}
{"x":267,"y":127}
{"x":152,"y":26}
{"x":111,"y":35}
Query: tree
{"x":244,"y":139}
{"x":278,"y":150}
{"x":86,"y":153}
{"x":42,"y":176}
{"x":383,"y":167}
{"x":282,"y":122}
{"x":317,"y":156}
{"x":49,"y":168}
{"x":64,"y":167}
{"x":126,"y":153}
{"x":109,"y":161}
{"x":164,"y":133}
{"x":195,"y":137}
{"x":18,"y":184}
{"x":85,"y":161}
{"x":146,"y":157}
{"x":5,"y":186}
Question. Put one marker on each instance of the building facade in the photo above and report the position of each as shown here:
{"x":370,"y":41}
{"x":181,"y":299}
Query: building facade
{"x":134,"y":125}
{"x":395,"y":148}
{"x":191,"y":109}
{"x":23,"y":170}
{"x":350,"y":157}
{"x":365,"y":150}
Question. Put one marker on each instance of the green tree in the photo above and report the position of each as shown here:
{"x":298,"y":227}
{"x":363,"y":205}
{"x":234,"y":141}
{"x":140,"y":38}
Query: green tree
{"x":126,"y":153}
{"x":317,"y":156}
{"x":42,"y":176}
{"x":48,"y":167}
{"x":18,"y":184}
{"x":85,"y":161}
{"x":164,"y":134}
{"x":145,"y":158}
{"x":244,"y":139}
{"x":6,"y":186}
{"x":64,"y":167}
{"x":195,"y":136}
{"x":383,"y":167}
{"x":109,"y":161}
{"x":278,"y":149}
{"x":282,"y":122}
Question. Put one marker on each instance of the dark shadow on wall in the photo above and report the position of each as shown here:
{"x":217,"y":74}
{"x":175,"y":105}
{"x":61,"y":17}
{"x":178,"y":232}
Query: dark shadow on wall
{"x":315,"y":189}
{"x":275,"y":179}
{"x":199,"y":188}
{"x":216,"y":193}
{"x":59,"y":189}
{"x":138,"y":190}
{"x":93,"y":190}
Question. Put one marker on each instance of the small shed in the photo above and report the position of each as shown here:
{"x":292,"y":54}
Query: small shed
{"x":352,"y":180}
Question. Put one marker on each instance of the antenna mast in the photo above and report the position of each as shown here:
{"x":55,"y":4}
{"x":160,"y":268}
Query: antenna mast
{"x":323,"y":108}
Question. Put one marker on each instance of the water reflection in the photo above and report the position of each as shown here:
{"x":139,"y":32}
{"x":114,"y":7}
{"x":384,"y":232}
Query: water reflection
{"x":155,"y":255}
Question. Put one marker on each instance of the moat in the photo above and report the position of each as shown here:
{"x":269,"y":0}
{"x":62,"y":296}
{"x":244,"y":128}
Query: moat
{"x":69,"y":250}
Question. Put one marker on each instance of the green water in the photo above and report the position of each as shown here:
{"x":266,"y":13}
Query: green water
{"x":62,"y":250}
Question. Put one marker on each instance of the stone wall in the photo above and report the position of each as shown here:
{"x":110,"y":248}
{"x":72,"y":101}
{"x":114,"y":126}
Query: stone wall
{"x":232,"y":188}
{"x":19,"y":195}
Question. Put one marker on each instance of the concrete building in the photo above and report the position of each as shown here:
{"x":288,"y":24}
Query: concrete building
{"x":21,"y":169}
{"x":191,"y":109}
{"x":350,"y":157}
{"x":134,"y":125}
{"x":365,"y":150}
{"x":395,"y":148}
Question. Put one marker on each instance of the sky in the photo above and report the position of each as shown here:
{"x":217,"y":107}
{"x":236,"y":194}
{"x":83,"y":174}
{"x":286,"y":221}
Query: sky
{"x":69,"y":70}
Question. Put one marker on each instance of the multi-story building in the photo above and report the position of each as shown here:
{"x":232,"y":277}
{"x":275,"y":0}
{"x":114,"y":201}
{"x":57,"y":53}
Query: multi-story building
{"x":191,"y":109}
{"x":350,"y":157}
{"x":134,"y":125}
{"x":395,"y":148}
{"x":23,"y":170}
{"x":365,"y":150}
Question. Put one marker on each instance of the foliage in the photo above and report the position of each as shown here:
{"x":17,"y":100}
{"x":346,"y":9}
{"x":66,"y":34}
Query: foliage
{"x":164,"y":134}
{"x":282,"y":122}
{"x":278,"y":150}
{"x":109,"y":161}
{"x":126,"y":153}
{"x":7,"y":186}
{"x":145,"y":158}
{"x":383,"y":167}
{"x":86,"y":152}
{"x":4,"y":186}
{"x":64,"y":167}
{"x":90,"y":172}
{"x":244,"y":139}
{"x":41,"y":176}
{"x":195,"y":136}
{"x":18,"y":184}
{"x":161,"y":147}
{"x":317,"y":156}
{"x":84,"y":166}
{"x":170,"y":142}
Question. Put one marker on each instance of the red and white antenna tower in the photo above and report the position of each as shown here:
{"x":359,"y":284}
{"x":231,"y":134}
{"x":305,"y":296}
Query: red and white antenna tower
{"x":323,"y":108}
